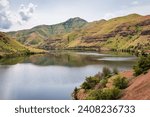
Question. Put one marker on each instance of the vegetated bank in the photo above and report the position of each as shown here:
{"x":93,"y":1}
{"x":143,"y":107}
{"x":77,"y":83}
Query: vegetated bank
{"x":10,"y":47}
{"x":112,"y":85}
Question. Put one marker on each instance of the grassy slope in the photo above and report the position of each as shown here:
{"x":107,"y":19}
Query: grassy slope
{"x":11,"y":47}
{"x":122,"y":33}
{"x":126,"y":24}
{"x":37,"y":35}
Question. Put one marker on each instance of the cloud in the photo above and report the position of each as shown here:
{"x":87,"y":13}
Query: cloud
{"x":135,"y":3}
{"x":9,"y":18}
{"x":26,"y":12}
{"x":5,"y":15}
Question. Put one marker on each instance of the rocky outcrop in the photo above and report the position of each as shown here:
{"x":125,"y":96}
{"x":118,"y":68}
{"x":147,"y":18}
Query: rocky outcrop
{"x":145,"y":32}
{"x":144,"y":23}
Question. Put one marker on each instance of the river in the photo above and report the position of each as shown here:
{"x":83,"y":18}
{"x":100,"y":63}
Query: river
{"x":54,"y":76}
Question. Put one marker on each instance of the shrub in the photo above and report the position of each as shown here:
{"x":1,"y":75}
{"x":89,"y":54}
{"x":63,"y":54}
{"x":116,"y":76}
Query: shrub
{"x":142,"y":65}
{"x":104,"y":94}
{"x":74,"y":94}
{"x":120,"y":82}
{"x":103,"y":82}
{"x":106,"y":72}
{"x":90,"y":82}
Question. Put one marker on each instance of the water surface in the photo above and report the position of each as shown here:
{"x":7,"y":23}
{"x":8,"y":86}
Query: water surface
{"x":54,"y":75}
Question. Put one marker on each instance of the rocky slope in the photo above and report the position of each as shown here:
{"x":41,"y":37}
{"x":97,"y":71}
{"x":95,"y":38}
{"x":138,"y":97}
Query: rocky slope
{"x":127,"y":32}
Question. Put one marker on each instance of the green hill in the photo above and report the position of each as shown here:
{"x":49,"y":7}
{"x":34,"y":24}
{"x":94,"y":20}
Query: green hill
{"x":131,"y":32}
{"x":10,"y":47}
{"x":39,"y":34}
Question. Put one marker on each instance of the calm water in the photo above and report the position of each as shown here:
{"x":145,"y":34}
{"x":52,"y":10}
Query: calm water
{"x":55,"y":75}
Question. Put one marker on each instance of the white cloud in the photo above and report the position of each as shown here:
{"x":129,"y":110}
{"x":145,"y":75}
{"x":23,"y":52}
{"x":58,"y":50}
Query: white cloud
{"x":5,"y":15}
{"x":26,"y":12}
{"x":9,"y":19}
{"x":135,"y":3}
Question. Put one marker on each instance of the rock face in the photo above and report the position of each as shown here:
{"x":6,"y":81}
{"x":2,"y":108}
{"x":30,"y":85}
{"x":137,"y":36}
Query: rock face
{"x":139,"y":88}
{"x":145,"y":32}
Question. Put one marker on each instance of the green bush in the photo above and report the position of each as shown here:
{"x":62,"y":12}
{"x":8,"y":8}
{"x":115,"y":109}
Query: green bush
{"x":120,"y":82}
{"x":142,"y":65}
{"x":90,"y":82}
{"x":104,"y":94}
{"x":106,"y":72}
{"x":103,"y":82}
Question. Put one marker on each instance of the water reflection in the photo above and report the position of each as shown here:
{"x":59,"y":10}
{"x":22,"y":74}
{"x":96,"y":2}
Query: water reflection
{"x":54,"y":75}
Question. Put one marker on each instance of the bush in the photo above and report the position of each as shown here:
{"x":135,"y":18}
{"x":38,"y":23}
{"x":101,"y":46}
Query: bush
{"x":90,"y":82}
{"x":106,"y":72}
{"x":104,"y":94}
{"x":142,"y":65}
{"x":74,"y":94}
{"x":103,"y":82}
{"x":120,"y":82}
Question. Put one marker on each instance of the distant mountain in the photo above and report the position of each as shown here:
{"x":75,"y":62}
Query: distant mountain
{"x":127,"y":33}
{"x":39,"y":34}
{"x":10,"y":47}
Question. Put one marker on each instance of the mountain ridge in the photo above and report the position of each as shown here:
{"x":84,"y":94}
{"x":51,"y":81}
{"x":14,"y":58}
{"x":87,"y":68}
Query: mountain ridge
{"x":131,"y":32}
{"x":42,"y":32}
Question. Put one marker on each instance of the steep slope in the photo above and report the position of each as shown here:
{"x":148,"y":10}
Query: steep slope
{"x":10,"y":47}
{"x":128,"y":32}
{"x":39,"y":34}
{"x":139,"y":88}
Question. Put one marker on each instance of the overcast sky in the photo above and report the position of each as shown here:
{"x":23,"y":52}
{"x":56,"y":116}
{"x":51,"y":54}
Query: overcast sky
{"x":22,"y":14}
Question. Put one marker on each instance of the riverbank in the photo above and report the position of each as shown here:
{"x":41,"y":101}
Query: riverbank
{"x":30,"y":51}
{"x":137,"y":89}
{"x":110,"y":84}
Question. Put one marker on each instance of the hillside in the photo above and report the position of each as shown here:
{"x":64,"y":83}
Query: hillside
{"x":10,"y":47}
{"x":138,"y":89}
{"x":131,"y":32}
{"x":128,"y":32}
{"x":112,"y":85}
{"x":41,"y":34}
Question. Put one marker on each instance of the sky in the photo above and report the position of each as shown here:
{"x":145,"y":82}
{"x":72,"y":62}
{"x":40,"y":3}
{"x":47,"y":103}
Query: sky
{"x":25,"y":14}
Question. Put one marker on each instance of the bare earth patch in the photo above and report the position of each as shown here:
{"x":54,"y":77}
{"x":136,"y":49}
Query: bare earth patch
{"x":139,"y":88}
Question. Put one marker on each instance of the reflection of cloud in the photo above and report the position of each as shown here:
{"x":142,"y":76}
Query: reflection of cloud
{"x":26,"y":12}
{"x":5,"y":15}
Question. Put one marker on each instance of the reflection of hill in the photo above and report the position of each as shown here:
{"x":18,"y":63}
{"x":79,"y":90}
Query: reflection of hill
{"x":71,"y":59}
{"x":67,"y":59}
{"x":117,"y":64}
{"x":12,"y":61}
